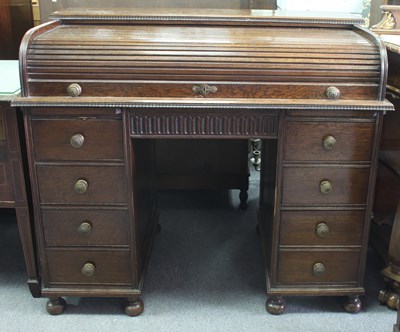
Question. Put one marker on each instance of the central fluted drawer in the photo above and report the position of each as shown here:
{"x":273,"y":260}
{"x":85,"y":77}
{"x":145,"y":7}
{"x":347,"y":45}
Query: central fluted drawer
{"x":81,"y":184}
{"x":89,"y":266}
{"x":323,"y":185}
{"x":85,"y":227}
{"x":77,"y":139}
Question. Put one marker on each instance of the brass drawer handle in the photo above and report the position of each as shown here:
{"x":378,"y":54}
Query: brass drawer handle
{"x":329,"y":142}
{"x":325,"y":187}
{"x":74,"y":90}
{"x":81,"y":186}
{"x":204,"y":89}
{"x":333,"y":93}
{"x":322,"y":229}
{"x":77,"y":141}
{"x":85,"y":228}
{"x":318,"y":269}
{"x":88,"y":269}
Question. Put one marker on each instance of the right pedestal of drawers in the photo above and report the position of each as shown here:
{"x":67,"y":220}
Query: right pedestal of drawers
{"x":315,"y":204}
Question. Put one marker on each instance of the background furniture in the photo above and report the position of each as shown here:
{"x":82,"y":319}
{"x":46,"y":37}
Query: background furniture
{"x":12,"y":163}
{"x":15,"y":20}
{"x":94,"y":106}
{"x":385,"y":234}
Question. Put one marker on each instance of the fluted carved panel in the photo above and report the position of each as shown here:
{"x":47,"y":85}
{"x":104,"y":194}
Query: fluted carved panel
{"x":207,"y":125}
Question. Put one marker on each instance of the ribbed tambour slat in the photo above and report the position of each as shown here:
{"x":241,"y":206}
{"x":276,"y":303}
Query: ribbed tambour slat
{"x":154,"y":54}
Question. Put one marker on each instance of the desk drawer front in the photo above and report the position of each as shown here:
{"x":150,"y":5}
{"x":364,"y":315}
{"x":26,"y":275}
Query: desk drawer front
{"x":325,"y":185}
{"x":321,"y":227}
{"x":204,"y":123}
{"x":81,"y":184}
{"x":212,"y":89}
{"x":77,"y":139}
{"x":85,"y":227}
{"x":317,"y":267}
{"x":324,"y":141}
{"x":89,"y":266}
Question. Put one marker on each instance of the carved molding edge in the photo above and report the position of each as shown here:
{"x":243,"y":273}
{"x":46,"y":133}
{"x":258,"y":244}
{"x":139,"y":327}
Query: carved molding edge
{"x":388,"y":22}
{"x":392,"y":47}
{"x":266,"y":107}
{"x":205,"y":19}
{"x":219,"y":125}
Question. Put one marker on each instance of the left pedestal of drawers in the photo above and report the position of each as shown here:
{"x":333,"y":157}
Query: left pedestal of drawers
{"x":84,"y":206}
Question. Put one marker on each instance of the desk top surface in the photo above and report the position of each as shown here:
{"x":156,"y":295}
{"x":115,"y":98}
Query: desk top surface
{"x":392,"y":42}
{"x":9,"y":79}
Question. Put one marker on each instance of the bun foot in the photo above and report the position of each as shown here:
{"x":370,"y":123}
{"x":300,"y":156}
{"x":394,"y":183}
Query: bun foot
{"x":275,"y":305}
{"x":134,"y":307}
{"x":389,"y":298}
{"x":243,"y":196}
{"x":353,"y":305}
{"x":55,"y":305}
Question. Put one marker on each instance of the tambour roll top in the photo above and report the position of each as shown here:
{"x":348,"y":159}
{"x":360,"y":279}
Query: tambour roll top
{"x":228,"y":54}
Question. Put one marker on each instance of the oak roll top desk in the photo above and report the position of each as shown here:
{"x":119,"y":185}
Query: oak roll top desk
{"x":98,"y":87}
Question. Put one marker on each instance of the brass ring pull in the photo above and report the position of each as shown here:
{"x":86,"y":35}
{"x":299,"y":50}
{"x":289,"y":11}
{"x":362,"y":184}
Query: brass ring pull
{"x":204,"y":89}
{"x":325,"y":187}
{"x":88,"y":269}
{"x":322,"y":229}
{"x":81,"y":186}
{"x":318,"y":269}
{"x":74,"y":90}
{"x":332,"y":93}
{"x":77,"y":141}
{"x":329,"y":142}
{"x":85,"y":228}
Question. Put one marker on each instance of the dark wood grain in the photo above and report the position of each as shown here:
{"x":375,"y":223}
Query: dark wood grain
{"x":108,"y":227}
{"x":300,"y":228}
{"x":102,"y":139}
{"x":105,"y":184}
{"x":304,"y":141}
{"x":302,"y":185}
{"x":65,"y":266}
{"x":206,"y":75}
{"x":296,"y":267}
{"x":15,"y":19}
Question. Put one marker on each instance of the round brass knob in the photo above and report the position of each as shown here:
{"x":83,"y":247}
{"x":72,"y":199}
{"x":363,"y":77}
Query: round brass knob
{"x":322,"y":229}
{"x":81,"y":186}
{"x":88,"y":269}
{"x":318,"y":269}
{"x":333,"y":92}
{"x":77,"y":141}
{"x":85,"y":228}
{"x":329,"y":142}
{"x":74,"y":90}
{"x":325,"y":187}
